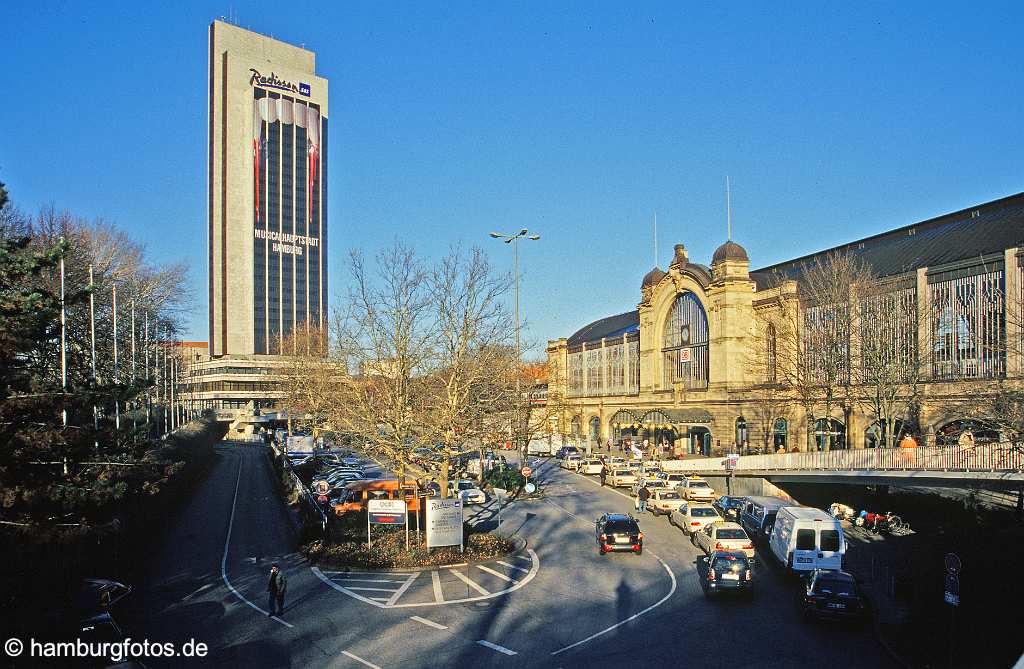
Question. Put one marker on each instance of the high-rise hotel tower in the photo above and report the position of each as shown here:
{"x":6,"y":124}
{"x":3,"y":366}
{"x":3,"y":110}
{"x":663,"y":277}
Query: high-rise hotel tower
{"x":267,"y":191}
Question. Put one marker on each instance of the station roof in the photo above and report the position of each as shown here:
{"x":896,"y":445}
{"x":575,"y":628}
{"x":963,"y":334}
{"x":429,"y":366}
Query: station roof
{"x":961,"y":235}
{"x":610,"y":326}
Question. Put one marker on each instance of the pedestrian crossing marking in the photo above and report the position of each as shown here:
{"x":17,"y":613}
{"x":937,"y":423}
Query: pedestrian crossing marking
{"x":494,"y":573}
{"x":473,"y":584}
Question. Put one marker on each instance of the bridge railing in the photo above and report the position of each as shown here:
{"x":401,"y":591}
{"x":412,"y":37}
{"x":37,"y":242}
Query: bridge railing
{"x":1004,"y":456}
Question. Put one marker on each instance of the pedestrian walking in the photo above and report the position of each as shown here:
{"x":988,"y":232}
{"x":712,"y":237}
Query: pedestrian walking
{"x":277,"y":586}
{"x":604,"y":473}
{"x":643,"y":495}
{"x":609,"y":445}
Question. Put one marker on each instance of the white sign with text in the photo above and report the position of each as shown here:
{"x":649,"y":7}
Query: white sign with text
{"x":444,"y":522}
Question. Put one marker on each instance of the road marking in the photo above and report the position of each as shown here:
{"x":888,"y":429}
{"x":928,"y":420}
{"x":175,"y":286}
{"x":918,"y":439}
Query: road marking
{"x":402,"y":589}
{"x":495,"y":573}
{"x":354,"y":587}
{"x":494,"y":646}
{"x":359,"y":659}
{"x":512,"y":566}
{"x":438,"y":593}
{"x":429,"y":623}
{"x":468,"y":582}
{"x":524,"y":557}
{"x":224,"y":558}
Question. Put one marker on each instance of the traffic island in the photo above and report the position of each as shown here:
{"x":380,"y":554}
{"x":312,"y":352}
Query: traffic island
{"x":387,"y":551}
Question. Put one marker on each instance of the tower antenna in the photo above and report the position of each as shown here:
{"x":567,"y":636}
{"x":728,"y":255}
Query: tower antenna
{"x":655,"y":237}
{"x":728,"y":211}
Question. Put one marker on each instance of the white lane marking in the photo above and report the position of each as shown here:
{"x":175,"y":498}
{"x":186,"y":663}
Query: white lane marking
{"x":227,"y":544}
{"x":371,"y":580}
{"x":319,"y":574}
{"x":495,"y":573}
{"x":429,"y":623}
{"x":524,"y":557}
{"x":438,"y":593}
{"x":359,"y":659}
{"x":367,"y":573}
{"x":468,"y":582}
{"x":403,"y":588}
{"x":354,"y":587}
{"x":632,"y":617}
{"x":512,"y":566}
{"x":494,"y":646}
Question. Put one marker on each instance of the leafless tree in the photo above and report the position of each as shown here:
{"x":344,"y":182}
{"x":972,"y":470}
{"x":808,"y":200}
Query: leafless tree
{"x":312,"y":378}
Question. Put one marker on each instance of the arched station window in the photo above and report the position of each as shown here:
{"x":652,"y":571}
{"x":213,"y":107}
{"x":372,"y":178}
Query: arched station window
{"x":685,"y":345}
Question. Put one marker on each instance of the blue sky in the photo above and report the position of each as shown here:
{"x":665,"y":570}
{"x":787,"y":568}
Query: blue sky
{"x":576,"y":121}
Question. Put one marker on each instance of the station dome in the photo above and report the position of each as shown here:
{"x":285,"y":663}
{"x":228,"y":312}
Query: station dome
{"x":729,"y":251}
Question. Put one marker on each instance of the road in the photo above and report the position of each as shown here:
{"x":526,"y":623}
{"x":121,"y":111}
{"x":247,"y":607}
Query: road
{"x":557,"y":603}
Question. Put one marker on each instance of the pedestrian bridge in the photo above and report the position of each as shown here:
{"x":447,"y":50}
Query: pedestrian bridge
{"x":991,"y":465}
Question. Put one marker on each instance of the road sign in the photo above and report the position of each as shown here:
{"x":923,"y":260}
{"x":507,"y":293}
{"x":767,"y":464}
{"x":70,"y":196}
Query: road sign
{"x":952,"y":593}
{"x":953,"y":564}
{"x":386,"y":511}
{"x":444,"y":522}
{"x":526,"y":471}
{"x":530,"y":488}
{"x":323,"y":487}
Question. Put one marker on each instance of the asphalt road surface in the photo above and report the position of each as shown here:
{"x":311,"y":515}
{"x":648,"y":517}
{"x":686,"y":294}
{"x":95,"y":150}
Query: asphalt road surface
{"x":555,"y":604}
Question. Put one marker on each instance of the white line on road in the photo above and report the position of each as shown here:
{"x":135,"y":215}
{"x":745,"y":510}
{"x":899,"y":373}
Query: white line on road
{"x":468,"y":582}
{"x":438,"y":593}
{"x":429,"y":623}
{"x":354,"y":587}
{"x":495,"y":573}
{"x":512,"y":566}
{"x":524,"y":557}
{"x":494,"y":646}
{"x":359,"y":659}
{"x":401,"y":590}
{"x":372,"y":580}
{"x":227,"y":544}
{"x":564,"y":510}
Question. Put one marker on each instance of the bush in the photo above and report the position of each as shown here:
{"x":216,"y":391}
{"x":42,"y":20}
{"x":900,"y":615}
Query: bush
{"x":388,"y":550}
{"x":507,"y":478}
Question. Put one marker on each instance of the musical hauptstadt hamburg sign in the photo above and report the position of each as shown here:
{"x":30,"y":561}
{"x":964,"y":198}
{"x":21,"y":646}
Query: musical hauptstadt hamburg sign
{"x":444,"y":522}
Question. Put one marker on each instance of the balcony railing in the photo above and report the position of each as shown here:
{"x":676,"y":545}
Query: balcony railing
{"x":1001,"y":457}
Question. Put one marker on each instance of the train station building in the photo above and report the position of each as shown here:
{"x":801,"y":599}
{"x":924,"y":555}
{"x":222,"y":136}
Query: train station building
{"x":706,"y":364}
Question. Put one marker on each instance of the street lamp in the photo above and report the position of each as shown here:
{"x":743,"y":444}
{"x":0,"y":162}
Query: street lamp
{"x":513,"y":239}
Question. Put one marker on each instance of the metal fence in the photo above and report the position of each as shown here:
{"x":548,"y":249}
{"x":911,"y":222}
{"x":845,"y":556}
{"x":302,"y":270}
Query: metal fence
{"x":306,"y":498}
{"x":1001,"y":457}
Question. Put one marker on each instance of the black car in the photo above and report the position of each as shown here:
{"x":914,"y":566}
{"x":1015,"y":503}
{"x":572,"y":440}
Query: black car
{"x":832,"y":594}
{"x":725,"y":572}
{"x":730,"y":507}
{"x":618,"y":532}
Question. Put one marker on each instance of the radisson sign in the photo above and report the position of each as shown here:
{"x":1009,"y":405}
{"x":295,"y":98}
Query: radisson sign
{"x":272,"y":81}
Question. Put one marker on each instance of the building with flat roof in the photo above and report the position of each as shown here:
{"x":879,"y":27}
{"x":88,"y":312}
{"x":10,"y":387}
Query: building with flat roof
{"x":700,"y":364}
{"x":267,"y":209}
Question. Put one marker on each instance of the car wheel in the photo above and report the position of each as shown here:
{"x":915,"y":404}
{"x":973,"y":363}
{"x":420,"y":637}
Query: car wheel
{"x":640,"y":552}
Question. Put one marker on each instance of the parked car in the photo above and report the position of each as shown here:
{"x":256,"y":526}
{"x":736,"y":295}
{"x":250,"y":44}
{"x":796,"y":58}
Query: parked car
{"x":691,"y":517}
{"x":758,"y":516}
{"x":805,"y":539}
{"x":618,"y":532}
{"x":566,"y":450}
{"x":832,"y":594}
{"x":730,"y":507}
{"x":622,"y":478}
{"x":468,"y":491}
{"x":571,"y":461}
{"x":725,"y":536}
{"x":696,"y":489}
{"x":724,"y":572}
{"x":664,"y":501}
{"x":590,"y":466}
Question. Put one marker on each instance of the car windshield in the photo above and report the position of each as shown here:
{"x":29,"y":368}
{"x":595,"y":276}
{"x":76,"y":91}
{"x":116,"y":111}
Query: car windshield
{"x":835,"y":584}
{"x":466,"y":485}
{"x":669,"y":495}
{"x":621,"y":527}
{"x":829,"y":540}
{"x":729,"y":563}
{"x":702,"y":512}
{"x":623,"y":472}
{"x":698,"y":484}
{"x":730,"y":533}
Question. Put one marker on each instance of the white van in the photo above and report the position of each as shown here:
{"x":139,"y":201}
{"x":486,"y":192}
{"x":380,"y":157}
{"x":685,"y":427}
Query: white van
{"x":804,"y":539}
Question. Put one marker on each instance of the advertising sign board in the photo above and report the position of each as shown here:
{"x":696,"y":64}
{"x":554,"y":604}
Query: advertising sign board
{"x":386,"y":511}
{"x":444,"y":522}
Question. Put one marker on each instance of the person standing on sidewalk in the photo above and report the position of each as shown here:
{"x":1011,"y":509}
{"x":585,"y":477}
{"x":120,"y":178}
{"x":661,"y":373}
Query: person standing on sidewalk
{"x":277,"y":586}
{"x":604,"y":473}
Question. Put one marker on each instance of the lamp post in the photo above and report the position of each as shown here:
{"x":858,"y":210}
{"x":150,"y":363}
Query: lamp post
{"x":513,"y":239}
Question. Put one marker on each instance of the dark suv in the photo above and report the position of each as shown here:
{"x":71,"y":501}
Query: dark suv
{"x":832,"y":594}
{"x":618,"y":532}
{"x":726,"y":571}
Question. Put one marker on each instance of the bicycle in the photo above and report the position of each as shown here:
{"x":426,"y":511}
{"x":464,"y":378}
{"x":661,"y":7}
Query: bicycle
{"x":898,"y":526}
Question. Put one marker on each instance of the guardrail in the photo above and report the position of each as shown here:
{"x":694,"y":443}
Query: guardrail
{"x":1001,"y":457}
{"x":309,"y":502}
